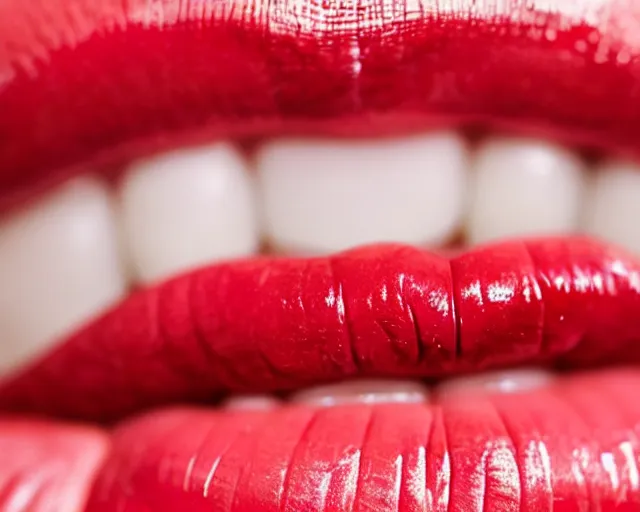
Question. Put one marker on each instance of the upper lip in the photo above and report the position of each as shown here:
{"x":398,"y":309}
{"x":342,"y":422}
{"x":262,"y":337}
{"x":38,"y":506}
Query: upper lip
{"x":88,"y":81}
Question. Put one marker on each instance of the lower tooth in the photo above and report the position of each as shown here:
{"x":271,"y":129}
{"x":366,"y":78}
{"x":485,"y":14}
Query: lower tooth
{"x":364,"y":391}
{"x":59,"y":266}
{"x":251,"y":402}
{"x":508,"y":381}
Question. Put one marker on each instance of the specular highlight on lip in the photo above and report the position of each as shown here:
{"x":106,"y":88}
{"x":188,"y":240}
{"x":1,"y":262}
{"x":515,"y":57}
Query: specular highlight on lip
{"x":100,"y":81}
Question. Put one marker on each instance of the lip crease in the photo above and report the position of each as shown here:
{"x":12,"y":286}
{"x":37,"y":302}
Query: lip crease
{"x":85,"y":84}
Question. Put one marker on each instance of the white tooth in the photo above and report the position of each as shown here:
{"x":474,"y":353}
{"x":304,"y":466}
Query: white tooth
{"x":251,"y":402}
{"x":524,"y":187}
{"x":59,"y":266}
{"x":187,"y":208}
{"x":364,"y":391}
{"x":327,"y":195}
{"x":507,"y":381}
{"x":612,"y":209}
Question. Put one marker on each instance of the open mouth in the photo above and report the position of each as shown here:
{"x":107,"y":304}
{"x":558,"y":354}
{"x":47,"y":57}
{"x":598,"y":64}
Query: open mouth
{"x":319,"y":257}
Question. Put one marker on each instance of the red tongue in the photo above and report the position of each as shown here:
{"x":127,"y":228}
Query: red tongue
{"x":570,"y":447}
{"x":46,"y":467}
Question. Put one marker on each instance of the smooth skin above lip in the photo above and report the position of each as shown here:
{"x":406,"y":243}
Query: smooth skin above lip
{"x":78,"y":77}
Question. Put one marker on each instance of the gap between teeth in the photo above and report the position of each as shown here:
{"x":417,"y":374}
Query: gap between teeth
{"x":79,"y":249}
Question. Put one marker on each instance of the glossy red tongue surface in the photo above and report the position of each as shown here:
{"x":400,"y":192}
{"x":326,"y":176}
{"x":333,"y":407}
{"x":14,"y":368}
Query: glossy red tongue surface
{"x":571,"y":447}
{"x":266,"y":324}
{"x":46,"y":467}
{"x":81,"y":79}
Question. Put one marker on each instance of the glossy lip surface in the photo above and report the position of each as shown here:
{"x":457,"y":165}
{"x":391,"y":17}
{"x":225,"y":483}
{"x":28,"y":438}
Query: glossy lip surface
{"x":378,"y":311}
{"x":46,"y":466}
{"x":82,"y":80}
{"x":571,"y":447}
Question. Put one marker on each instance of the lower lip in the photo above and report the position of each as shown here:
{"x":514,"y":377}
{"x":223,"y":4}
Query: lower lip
{"x":47,"y":466}
{"x":570,"y":447}
{"x":382,"y":311}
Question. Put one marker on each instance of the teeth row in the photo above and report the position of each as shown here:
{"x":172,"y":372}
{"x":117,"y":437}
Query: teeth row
{"x":399,"y":391}
{"x":79,"y":249}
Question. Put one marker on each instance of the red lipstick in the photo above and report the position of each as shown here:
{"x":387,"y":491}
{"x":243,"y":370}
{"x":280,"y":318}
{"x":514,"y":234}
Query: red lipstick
{"x":278,"y":324}
{"x":87,"y":82}
{"x":570,"y":447}
{"x":47,"y":466}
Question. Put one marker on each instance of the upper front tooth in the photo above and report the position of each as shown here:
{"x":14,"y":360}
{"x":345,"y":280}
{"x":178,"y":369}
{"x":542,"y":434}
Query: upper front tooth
{"x":524,"y":187}
{"x":329,"y":195}
{"x":59,"y":266}
{"x":187,"y":208}
{"x":613,"y":206}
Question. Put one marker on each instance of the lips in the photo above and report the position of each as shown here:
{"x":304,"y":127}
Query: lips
{"x":47,"y":466}
{"x":565,"y":448}
{"x":85,"y":83}
{"x":382,"y":311}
